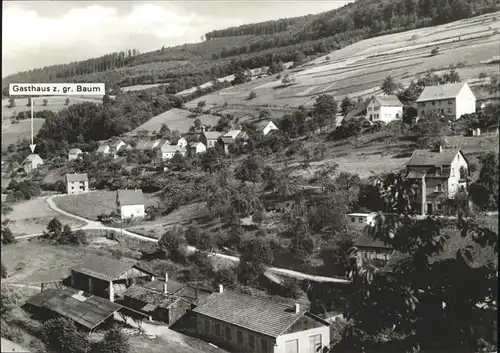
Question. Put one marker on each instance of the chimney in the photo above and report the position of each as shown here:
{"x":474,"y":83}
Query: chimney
{"x":165,"y":284}
{"x":297,"y":308}
{"x":221,"y":288}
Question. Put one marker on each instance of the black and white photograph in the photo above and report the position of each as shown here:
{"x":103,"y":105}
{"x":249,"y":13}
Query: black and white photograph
{"x":233,"y":176}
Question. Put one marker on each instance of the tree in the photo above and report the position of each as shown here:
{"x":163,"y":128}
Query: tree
{"x":255,"y":254}
{"x":251,"y":169}
{"x":7,"y":236}
{"x":173,"y":241}
{"x":54,"y":229}
{"x":252,"y":95}
{"x":484,"y":192}
{"x":62,"y":335}
{"x":3,"y":270}
{"x":45,"y":101}
{"x":114,"y":341}
{"x":435,"y":51}
{"x":197,"y":123}
{"x":302,"y":241}
{"x":66,"y":102}
{"x":425,"y":283}
{"x":12,"y":103}
{"x":389,"y":86}
{"x":325,"y":108}
{"x":106,"y":100}
{"x":239,"y":78}
{"x":347,"y":105}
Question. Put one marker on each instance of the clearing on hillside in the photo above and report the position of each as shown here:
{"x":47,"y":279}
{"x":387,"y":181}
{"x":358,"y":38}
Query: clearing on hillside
{"x":175,"y":119}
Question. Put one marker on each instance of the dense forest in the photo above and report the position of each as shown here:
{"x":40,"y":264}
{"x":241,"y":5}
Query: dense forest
{"x":256,"y":45}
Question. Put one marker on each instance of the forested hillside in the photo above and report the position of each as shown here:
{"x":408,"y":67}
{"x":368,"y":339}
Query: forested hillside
{"x":256,"y":45}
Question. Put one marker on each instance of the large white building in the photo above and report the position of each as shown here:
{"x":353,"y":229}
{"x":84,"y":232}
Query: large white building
{"x":384,"y":108}
{"x":167,"y":152}
{"x":32,"y":162}
{"x":77,"y":183}
{"x":130,"y":204}
{"x":451,"y":100}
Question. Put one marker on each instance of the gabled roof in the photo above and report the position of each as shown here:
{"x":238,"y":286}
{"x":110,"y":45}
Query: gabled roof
{"x":367,"y":241}
{"x":77,"y":177}
{"x":227,"y":140}
{"x":141,"y":145}
{"x":75,"y":151}
{"x":256,"y":314}
{"x":196,"y":144}
{"x":31,"y":158}
{"x":103,"y":148}
{"x":232,"y":133}
{"x":261,"y":125}
{"x":82,"y":308}
{"x":103,"y":268}
{"x":212,"y":135}
{"x":130,"y":197}
{"x":115,"y":143}
{"x":427,"y":158}
{"x":447,"y":91}
{"x":388,"y":101}
{"x":150,"y":296}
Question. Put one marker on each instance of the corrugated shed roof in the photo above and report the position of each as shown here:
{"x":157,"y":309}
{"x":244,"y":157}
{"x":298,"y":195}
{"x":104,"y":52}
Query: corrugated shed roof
{"x":256,"y":314}
{"x":430,"y":158}
{"x":77,"y":177}
{"x":389,"y":101}
{"x":39,"y":299}
{"x":75,"y":151}
{"x":86,"y":311}
{"x":150,"y":296}
{"x":172,"y":286}
{"x":447,"y":91}
{"x":212,"y":135}
{"x":130,"y":197}
{"x":103,"y":268}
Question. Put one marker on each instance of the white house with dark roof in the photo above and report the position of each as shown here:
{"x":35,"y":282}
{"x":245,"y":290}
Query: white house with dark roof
{"x":210,"y":138}
{"x":130,"y":204}
{"x":167,"y":152}
{"x":74,"y":153}
{"x":196,"y":147}
{"x":451,"y":100}
{"x":32,"y":162}
{"x":384,"y":108}
{"x":244,"y":323}
{"x":440,"y":174}
{"x":77,"y":183}
{"x":265,"y":126}
{"x":181,"y":142}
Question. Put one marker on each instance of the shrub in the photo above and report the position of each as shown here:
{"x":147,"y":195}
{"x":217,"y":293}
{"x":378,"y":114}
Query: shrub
{"x":252,"y":95}
{"x":435,"y":51}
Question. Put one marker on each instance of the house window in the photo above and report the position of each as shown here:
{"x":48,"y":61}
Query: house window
{"x":369,"y":109}
{"x":450,"y":101}
{"x":438,"y":172}
{"x":263,"y":345}
{"x":251,"y":341}
{"x":292,"y":346}
{"x":239,"y":336}
{"x":438,"y":188}
{"x":439,"y":206}
{"x":314,"y":343}
{"x":449,"y":110}
{"x":433,"y":103}
{"x":353,"y":220}
{"x":228,"y":334}
{"x":217,"y":329}
{"x":207,"y":326}
{"x":423,"y":104}
{"x":376,"y":108}
{"x":371,"y":116}
{"x":360,"y":219}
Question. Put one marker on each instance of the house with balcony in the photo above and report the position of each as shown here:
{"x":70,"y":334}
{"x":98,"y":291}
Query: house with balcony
{"x":451,"y":101}
{"x":77,"y":183}
{"x":384,"y":108}
{"x":440,"y":174}
{"x":243,"y":323}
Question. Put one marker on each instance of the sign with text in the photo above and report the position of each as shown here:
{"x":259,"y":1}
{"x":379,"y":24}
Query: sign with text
{"x":57,"y":89}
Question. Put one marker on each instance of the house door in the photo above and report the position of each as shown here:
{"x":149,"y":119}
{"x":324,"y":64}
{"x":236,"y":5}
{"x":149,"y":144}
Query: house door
{"x":429,"y":208}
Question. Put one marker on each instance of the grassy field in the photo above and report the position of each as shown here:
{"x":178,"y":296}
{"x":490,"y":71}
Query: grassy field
{"x":358,"y":70}
{"x":176,"y":119}
{"x":92,"y":204}
{"x":140,"y":87}
{"x":33,"y":216}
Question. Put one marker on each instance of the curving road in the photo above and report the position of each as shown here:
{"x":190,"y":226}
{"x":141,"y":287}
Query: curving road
{"x":99,"y":226}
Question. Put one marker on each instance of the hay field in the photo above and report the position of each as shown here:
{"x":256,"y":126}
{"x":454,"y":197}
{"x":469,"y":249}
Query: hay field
{"x":358,"y":70}
{"x":33,"y":216}
{"x":175,"y":119}
{"x":141,"y":87}
{"x":92,"y":204}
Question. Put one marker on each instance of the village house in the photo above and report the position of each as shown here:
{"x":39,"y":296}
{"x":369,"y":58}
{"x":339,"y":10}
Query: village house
{"x":231,"y":137}
{"x":87,"y":311}
{"x":74,"y":153}
{"x":107,"y":278}
{"x":244,"y":323}
{"x":210,"y":138}
{"x":440,"y":174}
{"x":141,"y":145}
{"x":181,"y":142}
{"x":77,"y":183}
{"x":151,"y":145}
{"x":116,"y":146}
{"x":451,"y":100}
{"x":32,"y":162}
{"x":264,"y":127}
{"x":196,"y":147}
{"x":359,"y":221}
{"x":130,"y":204}
{"x":372,"y":250}
{"x":104,"y":149}
{"x":384,"y":108}
{"x":167,"y":152}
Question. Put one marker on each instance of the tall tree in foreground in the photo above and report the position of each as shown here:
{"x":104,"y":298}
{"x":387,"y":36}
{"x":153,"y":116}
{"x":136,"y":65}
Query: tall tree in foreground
{"x":325,"y":109}
{"x":427,"y":297}
{"x":389,"y":86}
